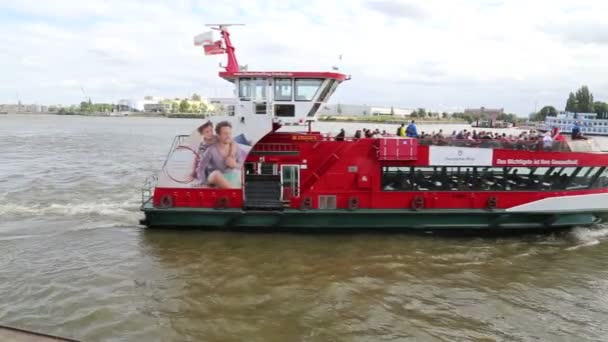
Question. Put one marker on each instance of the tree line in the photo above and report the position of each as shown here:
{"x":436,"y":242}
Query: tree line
{"x":581,"y":101}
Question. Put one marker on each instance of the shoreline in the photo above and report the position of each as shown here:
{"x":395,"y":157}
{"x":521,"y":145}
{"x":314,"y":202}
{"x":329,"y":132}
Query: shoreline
{"x":387,"y":120}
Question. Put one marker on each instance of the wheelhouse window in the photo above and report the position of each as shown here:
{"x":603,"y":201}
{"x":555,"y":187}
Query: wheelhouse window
{"x":493,"y":178}
{"x":306,"y":88}
{"x":252,"y":89}
{"x":283,"y":89}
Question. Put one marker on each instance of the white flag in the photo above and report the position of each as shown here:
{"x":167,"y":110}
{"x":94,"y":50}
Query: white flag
{"x":203,"y":38}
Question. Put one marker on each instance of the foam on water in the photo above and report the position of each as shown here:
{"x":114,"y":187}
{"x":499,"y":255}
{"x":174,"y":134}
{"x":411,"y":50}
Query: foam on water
{"x":586,"y":237}
{"x":123,"y":210}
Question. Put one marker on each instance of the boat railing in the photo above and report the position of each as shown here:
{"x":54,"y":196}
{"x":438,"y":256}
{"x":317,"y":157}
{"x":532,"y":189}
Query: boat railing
{"x":177,"y":141}
{"x":525,"y":145}
{"x":147,"y":189}
{"x":508,"y":144}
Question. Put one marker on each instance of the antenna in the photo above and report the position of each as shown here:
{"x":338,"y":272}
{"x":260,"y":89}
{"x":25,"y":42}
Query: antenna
{"x":220,"y":25}
{"x":337,"y":66}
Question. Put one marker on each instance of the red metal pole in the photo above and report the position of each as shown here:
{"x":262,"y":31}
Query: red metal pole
{"x":233,"y":64}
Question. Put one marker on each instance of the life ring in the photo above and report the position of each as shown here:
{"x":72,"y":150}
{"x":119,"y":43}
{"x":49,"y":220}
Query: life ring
{"x":418,"y":203}
{"x":353,"y":203}
{"x":306,"y":203}
{"x":166,"y":201}
{"x":222,"y":203}
{"x":491,"y":204}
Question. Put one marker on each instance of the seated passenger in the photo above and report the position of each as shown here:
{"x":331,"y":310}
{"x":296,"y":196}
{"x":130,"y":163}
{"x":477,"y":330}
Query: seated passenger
{"x":340,"y":136}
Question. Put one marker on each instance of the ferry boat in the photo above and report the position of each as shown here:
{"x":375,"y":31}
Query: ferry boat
{"x":246,"y":170}
{"x":588,"y":122}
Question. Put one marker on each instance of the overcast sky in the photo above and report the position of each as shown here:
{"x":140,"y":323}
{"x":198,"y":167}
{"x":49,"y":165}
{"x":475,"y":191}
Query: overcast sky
{"x":442,"y":55}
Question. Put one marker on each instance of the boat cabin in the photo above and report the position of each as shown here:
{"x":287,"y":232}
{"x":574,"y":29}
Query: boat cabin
{"x":290,"y":97}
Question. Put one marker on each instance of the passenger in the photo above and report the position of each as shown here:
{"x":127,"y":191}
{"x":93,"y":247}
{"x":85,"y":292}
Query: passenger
{"x":358,"y":134}
{"x":384,"y":134}
{"x":547,"y":142}
{"x":576,"y":132}
{"x":401,"y":131}
{"x":411,"y":130}
{"x":368,"y":133}
{"x":340,"y":136}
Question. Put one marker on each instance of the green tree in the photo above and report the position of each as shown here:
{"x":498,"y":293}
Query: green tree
{"x":601,"y":108}
{"x":203,"y":108}
{"x":174,"y":107}
{"x":184,"y":106}
{"x":584,"y":99}
{"x":571,"y":105}
{"x":414,"y":114}
{"x":392,"y":111}
{"x":195,"y":108}
{"x":444,"y":115}
{"x":421,"y":112}
{"x":85,"y":106}
{"x":544,"y":112}
{"x":195,"y":97}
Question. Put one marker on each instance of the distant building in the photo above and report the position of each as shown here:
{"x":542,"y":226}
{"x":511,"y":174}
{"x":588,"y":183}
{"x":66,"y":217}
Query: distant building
{"x":22,"y":108}
{"x":128,"y":105}
{"x":363,"y":110}
{"x":157,"y":107}
{"x":483,"y":113}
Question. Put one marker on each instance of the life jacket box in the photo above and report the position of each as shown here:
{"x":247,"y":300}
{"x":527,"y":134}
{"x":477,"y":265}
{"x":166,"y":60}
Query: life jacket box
{"x":397,"y":148}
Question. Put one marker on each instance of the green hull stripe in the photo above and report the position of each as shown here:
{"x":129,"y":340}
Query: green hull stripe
{"x":363,"y":219}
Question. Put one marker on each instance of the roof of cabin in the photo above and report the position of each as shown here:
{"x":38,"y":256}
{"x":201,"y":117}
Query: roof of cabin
{"x":297,"y":74}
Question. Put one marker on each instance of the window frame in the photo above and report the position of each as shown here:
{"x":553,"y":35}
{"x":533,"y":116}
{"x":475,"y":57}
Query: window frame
{"x":314,"y":95}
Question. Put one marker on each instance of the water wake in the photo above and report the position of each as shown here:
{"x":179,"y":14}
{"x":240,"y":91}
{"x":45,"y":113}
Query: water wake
{"x":121,"y":210}
{"x":586,"y":237}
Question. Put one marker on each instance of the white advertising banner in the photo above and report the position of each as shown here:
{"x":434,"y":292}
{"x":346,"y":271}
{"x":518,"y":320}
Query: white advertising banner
{"x":459,"y":156}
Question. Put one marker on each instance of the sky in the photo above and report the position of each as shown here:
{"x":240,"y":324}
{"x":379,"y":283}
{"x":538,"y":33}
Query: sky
{"x":440,"y":55}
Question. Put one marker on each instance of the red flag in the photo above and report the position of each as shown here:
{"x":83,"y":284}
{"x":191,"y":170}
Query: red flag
{"x":214,"y":49}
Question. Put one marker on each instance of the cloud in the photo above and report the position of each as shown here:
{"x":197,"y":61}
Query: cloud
{"x":397,"y":9}
{"x":428,"y":53}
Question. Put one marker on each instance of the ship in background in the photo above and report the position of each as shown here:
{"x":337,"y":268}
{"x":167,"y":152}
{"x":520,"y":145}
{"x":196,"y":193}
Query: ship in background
{"x":243,"y":170}
{"x":565,"y":121}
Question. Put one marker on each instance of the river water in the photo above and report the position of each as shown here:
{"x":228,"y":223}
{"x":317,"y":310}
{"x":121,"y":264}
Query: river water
{"x":74,"y":262}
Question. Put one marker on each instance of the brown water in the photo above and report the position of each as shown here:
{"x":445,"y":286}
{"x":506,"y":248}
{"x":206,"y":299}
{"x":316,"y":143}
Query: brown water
{"x":73,"y":261}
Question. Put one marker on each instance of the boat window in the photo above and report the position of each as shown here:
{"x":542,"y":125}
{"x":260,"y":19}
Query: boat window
{"x":283,"y":89}
{"x":306,"y":88}
{"x":252,"y":89}
{"x":284,"y":110}
{"x":260,"y":108}
{"x":492,"y":178}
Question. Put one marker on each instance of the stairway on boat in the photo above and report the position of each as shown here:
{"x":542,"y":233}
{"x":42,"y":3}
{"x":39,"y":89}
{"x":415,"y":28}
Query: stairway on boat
{"x":263,"y":192}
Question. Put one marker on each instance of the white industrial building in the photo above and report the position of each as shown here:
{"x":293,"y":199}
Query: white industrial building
{"x":363,"y":110}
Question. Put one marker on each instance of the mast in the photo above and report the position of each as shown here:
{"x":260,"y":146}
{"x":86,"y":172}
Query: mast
{"x":233,"y":64}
